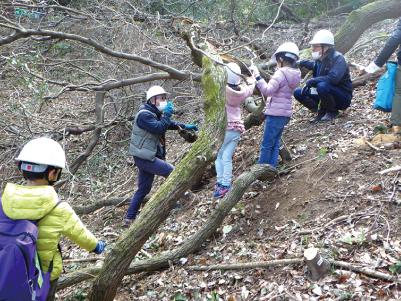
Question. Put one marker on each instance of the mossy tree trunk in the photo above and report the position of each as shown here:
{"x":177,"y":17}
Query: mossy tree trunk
{"x":361,"y":19}
{"x":203,"y":152}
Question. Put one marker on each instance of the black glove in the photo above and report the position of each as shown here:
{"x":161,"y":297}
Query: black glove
{"x":305,"y":89}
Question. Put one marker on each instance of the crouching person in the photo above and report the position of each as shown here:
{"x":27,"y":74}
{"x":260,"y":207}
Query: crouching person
{"x":41,"y":161}
{"x":148,"y":144}
{"x":330,"y":89}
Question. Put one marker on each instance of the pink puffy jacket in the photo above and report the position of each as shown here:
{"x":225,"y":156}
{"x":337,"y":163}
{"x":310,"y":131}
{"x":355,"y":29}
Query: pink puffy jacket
{"x":233,"y":99}
{"x":279,"y":89}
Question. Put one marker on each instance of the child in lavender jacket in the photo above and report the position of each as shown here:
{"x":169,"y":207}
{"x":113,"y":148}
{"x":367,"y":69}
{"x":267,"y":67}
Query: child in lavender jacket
{"x":235,"y":94}
{"x":279,"y":102}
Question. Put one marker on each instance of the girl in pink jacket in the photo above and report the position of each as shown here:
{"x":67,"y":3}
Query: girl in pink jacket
{"x":235,"y":93}
{"x":279,"y":102}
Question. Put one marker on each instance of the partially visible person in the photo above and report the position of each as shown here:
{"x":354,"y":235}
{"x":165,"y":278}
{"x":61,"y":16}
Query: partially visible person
{"x":392,"y":44}
{"x":235,"y":94}
{"x":279,"y":90}
{"x":330,"y":89}
{"x":147,"y":144}
{"x":41,"y":161}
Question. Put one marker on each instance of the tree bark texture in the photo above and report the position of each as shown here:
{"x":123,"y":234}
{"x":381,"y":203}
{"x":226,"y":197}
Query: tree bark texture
{"x":345,"y":9}
{"x":203,"y":152}
{"x":361,"y":19}
{"x":261,"y":172}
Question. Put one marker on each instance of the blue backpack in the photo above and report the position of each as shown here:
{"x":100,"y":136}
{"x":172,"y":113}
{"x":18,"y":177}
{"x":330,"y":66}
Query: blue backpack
{"x":21,"y":276}
{"x":385,"y":89}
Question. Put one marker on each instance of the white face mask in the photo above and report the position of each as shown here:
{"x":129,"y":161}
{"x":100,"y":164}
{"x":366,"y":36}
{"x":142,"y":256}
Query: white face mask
{"x":162,"y":105}
{"x":316,"y":55}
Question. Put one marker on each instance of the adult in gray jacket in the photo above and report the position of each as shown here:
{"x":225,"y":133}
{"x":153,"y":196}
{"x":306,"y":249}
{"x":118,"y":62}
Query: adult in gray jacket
{"x":391,"y":45}
{"x":147,"y":144}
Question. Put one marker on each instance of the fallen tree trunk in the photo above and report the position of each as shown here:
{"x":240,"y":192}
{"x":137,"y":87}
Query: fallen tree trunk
{"x":202,"y":153}
{"x":367,"y":78}
{"x":345,"y":9}
{"x":348,"y":266}
{"x":248,"y":265}
{"x":363,"y":18}
{"x":263,"y":172}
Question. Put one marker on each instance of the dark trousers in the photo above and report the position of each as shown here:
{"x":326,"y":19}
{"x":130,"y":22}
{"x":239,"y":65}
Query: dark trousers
{"x":146,"y":174}
{"x":52,"y":292}
{"x":324,"y":91}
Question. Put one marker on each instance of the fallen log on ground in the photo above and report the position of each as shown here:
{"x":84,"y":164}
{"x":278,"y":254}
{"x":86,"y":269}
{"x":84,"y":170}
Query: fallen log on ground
{"x":349,"y":266}
{"x":263,"y":172}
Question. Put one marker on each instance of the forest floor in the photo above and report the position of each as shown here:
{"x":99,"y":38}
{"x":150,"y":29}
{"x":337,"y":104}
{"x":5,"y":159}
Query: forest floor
{"x":333,"y":178}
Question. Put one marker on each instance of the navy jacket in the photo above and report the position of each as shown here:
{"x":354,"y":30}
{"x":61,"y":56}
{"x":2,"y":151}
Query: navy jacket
{"x":333,"y":70}
{"x":158,"y":126}
{"x":393,"y":42}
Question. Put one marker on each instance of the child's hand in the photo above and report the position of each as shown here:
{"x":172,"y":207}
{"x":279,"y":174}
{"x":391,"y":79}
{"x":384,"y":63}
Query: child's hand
{"x":254,"y":70}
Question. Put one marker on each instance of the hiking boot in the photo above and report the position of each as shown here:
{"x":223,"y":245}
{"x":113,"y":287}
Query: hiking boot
{"x":318,"y":117}
{"x":330,"y":115}
{"x":329,"y":105}
{"x":222,"y":191}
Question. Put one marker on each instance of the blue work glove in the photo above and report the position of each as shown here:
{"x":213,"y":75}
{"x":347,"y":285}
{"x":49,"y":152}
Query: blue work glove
{"x":169,"y":109}
{"x":193,"y":127}
{"x":99,"y":247}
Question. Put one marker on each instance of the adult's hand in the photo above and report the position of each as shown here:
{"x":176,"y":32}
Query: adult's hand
{"x":193,"y":127}
{"x":372,"y":68}
{"x":169,"y":109}
{"x":305,"y":89}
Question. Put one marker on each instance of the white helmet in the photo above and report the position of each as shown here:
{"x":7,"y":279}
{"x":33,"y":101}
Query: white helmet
{"x":290,"y":49}
{"x":154,"y":91}
{"x":233,"y":78}
{"x":43,"y":152}
{"x":323,"y":37}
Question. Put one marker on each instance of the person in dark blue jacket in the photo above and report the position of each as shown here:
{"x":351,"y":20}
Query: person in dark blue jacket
{"x":147,"y":144}
{"x":392,"y":44}
{"x":330,"y":89}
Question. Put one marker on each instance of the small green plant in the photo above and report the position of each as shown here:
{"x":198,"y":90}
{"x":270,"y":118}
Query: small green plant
{"x":350,"y":240}
{"x":215,"y":296}
{"x":380,"y":129}
{"x":179,"y":296}
{"x":322,"y":153}
{"x":305,"y":240}
{"x":395,"y":268}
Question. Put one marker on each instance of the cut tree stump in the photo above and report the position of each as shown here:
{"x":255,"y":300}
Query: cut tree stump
{"x":317,"y":266}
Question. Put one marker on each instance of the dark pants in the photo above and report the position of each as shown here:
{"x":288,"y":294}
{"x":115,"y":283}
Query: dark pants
{"x":146,"y":174}
{"x":52,"y":292}
{"x":324,"y":91}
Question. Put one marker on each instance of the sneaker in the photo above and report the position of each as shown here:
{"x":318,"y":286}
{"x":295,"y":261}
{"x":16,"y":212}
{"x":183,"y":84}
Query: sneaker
{"x":127,"y":222}
{"x":222,"y":191}
{"x":218,"y":186}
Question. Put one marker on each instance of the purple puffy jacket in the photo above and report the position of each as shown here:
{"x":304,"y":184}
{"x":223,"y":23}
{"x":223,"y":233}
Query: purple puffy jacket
{"x":279,"y":89}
